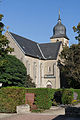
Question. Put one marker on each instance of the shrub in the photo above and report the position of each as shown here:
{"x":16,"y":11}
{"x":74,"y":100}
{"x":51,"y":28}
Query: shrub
{"x":43,"y":97}
{"x":67,"y":96}
{"x":10,"y":97}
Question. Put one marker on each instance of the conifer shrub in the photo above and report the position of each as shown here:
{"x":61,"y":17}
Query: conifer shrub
{"x":10,"y":97}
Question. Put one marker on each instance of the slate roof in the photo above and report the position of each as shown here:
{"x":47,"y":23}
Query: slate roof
{"x":50,"y":50}
{"x":28,"y":46}
{"x":34,"y":49}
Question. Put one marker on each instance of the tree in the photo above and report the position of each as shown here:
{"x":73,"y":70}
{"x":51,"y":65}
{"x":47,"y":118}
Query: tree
{"x":77,"y":29}
{"x":4,"y":43}
{"x":28,"y":83}
{"x":12,"y":70}
{"x":13,"y":73}
{"x":70,"y":67}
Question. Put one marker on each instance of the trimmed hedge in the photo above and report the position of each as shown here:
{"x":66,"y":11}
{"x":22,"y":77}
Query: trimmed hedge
{"x":67,"y":96}
{"x":63,"y":96}
{"x":43,"y":97}
{"x":10,"y":97}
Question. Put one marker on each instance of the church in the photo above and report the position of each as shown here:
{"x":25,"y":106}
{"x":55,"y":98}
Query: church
{"x":41,"y":60}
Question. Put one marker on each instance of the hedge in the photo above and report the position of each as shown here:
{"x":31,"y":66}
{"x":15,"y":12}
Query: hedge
{"x":67,"y":96}
{"x":43,"y":97}
{"x":63,"y":96}
{"x":10,"y":97}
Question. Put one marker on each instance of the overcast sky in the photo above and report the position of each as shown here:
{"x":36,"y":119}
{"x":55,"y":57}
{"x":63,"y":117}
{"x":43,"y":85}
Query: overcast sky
{"x":35,"y":19}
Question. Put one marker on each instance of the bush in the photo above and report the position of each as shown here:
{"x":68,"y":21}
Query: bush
{"x":43,"y":97}
{"x":67,"y":96}
{"x":10,"y":97}
{"x":63,"y":96}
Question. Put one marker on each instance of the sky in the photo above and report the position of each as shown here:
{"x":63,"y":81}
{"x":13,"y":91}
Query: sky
{"x":35,"y":19}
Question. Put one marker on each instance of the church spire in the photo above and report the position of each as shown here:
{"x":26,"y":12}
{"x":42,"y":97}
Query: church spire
{"x":59,"y":19}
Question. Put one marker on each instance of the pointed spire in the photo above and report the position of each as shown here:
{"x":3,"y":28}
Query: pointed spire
{"x":59,"y":19}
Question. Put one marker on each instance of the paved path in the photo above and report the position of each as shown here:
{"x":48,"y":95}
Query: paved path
{"x":55,"y":113}
{"x":5,"y":115}
{"x":36,"y":116}
{"x":29,"y":116}
{"x":46,"y":115}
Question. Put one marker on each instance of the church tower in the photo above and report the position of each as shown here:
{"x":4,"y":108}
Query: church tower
{"x":59,"y":33}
